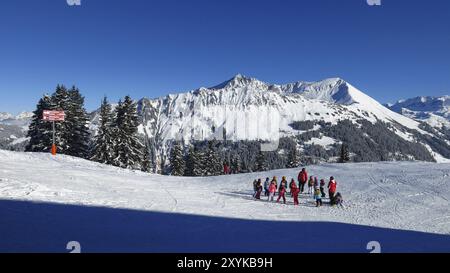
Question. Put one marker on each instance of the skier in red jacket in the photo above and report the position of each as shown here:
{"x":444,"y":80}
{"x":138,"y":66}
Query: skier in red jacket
{"x":282,"y":193}
{"x":302,"y":179}
{"x":294,"y":191}
{"x":332,"y":185}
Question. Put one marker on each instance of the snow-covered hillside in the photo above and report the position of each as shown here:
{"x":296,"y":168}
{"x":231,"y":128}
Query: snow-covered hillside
{"x":143,"y":212}
{"x":433,"y":110}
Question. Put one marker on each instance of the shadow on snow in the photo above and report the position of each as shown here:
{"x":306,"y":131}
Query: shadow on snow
{"x":46,"y":227}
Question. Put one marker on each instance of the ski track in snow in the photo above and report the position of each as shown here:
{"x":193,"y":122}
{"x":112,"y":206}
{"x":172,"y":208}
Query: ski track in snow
{"x":399,"y":195}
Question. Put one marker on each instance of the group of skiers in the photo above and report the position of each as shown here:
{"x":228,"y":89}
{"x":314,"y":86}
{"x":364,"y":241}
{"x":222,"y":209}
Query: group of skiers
{"x":315,"y":188}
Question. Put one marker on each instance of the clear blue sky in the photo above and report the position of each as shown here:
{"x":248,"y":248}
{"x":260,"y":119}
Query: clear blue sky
{"x":152,"y":47}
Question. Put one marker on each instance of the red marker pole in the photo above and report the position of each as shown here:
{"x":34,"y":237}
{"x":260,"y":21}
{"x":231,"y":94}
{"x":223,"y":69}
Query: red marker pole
{"x":53,"y":142}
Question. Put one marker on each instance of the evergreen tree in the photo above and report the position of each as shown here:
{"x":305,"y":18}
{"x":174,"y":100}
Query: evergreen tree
{"x":147,"y":160}
{"x":71,"y":135}
{"x":344,"y":157}
{"x":193,"y":163}
{"x":293,"y":158}
{"x":61,"y":101}
{"x":128,"y":149}
{"x":177,"y":163}
{"x":211,"y":161}
{"x":76,"y":124}
{"x":261,"y":163}
{"x":104,"y":142}
{"x":235,"y":163}
{"x":40,"y":131}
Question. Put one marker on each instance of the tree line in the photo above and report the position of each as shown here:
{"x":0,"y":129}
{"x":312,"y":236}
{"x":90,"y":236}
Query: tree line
{"x":116,"y":141}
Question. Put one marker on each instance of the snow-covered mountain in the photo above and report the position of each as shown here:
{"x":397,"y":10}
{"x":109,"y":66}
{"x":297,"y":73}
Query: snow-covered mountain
{"x":13,"y":129}
{"x":244,"y":108}
{"x":433,"y":110}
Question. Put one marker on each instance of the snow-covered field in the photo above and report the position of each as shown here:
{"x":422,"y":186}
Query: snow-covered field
{"x":47,"y":201}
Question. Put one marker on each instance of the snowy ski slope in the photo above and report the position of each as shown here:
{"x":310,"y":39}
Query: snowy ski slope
{"x":396,"y":195}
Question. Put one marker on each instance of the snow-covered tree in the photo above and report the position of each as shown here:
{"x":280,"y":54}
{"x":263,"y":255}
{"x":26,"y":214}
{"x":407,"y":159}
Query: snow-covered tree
{"x":71,"y":135}
{"x":177,"y":163}
{"x":128,"y":148}
{"x":104,"y":141}
{"x":147,"y":159}
{"x":261,"y":162}
{"x":293,"y":158}
{"x":345,"y":156}
{"x":193,"y":163}
{"x":39,"y":131}
{"x":235,"y":163}
{"x":211,"y":160}
{"x":61,"y":101}
{"x":76,"y":124}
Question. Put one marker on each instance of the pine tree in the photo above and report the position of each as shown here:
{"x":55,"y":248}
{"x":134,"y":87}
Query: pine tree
{"x":128,"y":149}
{"x":76,"y":124}
{"x":40,"y":131}
{"x":211,"y":161}
{"x":71,"y":135}
{"x":177,"y":163}
{"x":261,"y":162}
{"x":193,"y":163}
{"x":61,"y":101}
{"x":104,"y":143}
{"x":345,"y":156}
{"x":235,"y":163}
{"x":293,"y":158}
{"x":147,"y":160}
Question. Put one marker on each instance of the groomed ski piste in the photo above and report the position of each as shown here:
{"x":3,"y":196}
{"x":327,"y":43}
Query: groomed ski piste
{"x":47,"y":201}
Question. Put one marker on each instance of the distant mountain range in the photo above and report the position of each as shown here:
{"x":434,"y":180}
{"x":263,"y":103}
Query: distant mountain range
{"x":13,"y":130}
{"x":433,"y":110}
{"x":312,"y":113}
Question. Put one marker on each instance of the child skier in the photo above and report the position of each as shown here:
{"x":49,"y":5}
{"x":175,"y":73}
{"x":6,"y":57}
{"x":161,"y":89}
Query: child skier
{"x":274,"y":180}
{"x":310,"y":185}
{"x":259,"y":189}
{"x":318,"y":197}
{"x":294,"y":191}
{"x":272,"y":190}
{"x":291,"y":186}
{"x":332,"y":185}
{"x":337,"y":200}
{"x":283,"y":182}
{"x":316,"y":183}
{"x":282,"y":193}
{"x":266,"y":186}
{"x":322,"y":187}
{"x":255,"y":183}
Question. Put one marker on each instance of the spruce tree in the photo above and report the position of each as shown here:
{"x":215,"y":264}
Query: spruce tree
{"x":193,"y":163}
{"x":345,"y":156}
{"x":212,"y":162}
{"x":128,"y":148}
{"x":61,"y":101}
{"x":293,"y":158}
{"x":177,"y":163}
{"x":261,"y":162}
{"x":104,"y":142}
{"x":147,"y":160}
{"x":235,"y":163}
{"x":40,"y":131}
{"x":76,"y":124}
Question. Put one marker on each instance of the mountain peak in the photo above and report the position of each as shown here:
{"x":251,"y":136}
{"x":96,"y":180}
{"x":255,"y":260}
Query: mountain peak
{"x":238,"y":80}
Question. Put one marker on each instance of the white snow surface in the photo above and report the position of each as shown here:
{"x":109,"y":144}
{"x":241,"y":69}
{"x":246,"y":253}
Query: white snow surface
{"x":397,"y":195}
